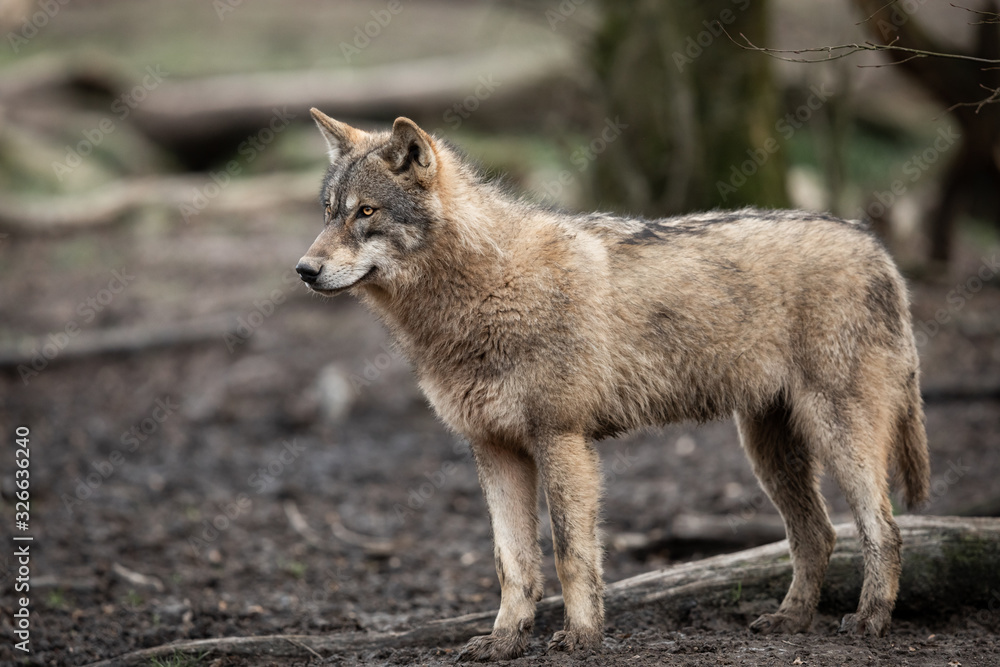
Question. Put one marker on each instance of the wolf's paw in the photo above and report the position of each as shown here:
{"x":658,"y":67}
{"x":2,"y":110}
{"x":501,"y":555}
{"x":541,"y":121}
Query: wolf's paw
{"x":873,"y":624}
{"x":781,"y":622}
{"x":484,"y":648}
{"x":572,"y":640}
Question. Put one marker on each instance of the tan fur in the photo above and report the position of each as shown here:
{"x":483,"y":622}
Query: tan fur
{"x":533,"y":332}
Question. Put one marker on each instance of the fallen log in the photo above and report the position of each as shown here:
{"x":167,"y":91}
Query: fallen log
{"x":707,"y":534}
{"x":949,"y":564}
{"x":215,"y":103}
{"x":986,"y":507}
{"x":25,"y":215}
{"x":202,"y":119}
{"x":94,"y":70}
{"x":119,"y":340}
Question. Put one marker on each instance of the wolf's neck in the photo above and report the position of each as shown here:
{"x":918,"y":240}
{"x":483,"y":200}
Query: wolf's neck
{"x":441,"y":312}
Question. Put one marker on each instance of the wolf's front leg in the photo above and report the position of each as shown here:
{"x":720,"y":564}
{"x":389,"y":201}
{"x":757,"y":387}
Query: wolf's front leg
{"x":570,"y":472}
{"x":510,"y":484}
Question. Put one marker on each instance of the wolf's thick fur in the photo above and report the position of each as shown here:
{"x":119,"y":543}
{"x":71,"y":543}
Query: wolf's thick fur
{"x":534,"y":332}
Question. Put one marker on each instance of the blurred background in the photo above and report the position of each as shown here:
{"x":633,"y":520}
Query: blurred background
{"x":215,"y":452}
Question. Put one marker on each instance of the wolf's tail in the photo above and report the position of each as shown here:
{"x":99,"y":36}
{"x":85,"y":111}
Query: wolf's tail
{"x":912,"y":458}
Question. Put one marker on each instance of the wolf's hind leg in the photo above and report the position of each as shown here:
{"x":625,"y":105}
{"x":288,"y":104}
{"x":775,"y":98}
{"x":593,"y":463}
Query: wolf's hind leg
{"x":862,"y":473}
{"x":510,"y":484}
{"x":853,"y":441}
{"x":785,"y":466}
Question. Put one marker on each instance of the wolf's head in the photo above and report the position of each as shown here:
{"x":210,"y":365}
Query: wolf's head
{"x":380,"y":198}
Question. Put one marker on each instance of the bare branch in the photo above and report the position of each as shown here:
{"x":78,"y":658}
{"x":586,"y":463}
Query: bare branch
{"x":888,"y":4}
{"x":993,"y":98}
{"x":844,"y":50}
{"x":991,"y":17}
{"x":897,"y":62}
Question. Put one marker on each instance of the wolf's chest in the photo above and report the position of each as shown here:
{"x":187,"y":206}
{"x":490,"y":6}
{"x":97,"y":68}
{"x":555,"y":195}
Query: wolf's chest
{"x":473,"y":404}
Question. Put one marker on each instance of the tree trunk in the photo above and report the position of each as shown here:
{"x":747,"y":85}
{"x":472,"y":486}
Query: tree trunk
{"x":701,"y":115}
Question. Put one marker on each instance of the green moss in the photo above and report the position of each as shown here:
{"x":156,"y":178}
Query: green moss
{"x":178,"y":659}
{"x":295,"y":569}
{"x":132,"y":599}
{"x":56,"y":599}
{"x":964,"y":572}
{"x":974,"y":559}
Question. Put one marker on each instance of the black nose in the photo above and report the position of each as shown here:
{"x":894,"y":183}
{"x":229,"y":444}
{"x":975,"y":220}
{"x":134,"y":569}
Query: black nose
{"x":308,"y":271}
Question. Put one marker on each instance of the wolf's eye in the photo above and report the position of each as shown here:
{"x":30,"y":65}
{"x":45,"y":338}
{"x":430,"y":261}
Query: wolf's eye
{"x":329,"y":211}
{"x":365,"y":211}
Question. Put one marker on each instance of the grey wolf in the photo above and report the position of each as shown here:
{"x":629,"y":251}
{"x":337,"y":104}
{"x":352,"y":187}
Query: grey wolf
{"x":534,"y":333}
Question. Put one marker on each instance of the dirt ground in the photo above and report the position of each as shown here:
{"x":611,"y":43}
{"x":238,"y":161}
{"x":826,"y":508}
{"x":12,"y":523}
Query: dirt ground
{"x":184,"y":465}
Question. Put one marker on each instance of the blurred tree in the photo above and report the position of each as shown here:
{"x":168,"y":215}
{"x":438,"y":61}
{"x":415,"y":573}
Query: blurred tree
{"x":972,"y":181}
{"x":702,"y":118}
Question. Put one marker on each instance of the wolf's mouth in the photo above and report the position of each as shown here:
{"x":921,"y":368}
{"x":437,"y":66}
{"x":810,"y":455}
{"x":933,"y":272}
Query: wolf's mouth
{"x":337,"y":290}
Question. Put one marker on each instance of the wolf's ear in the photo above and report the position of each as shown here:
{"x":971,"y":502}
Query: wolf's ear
{"x":411,"y":150}
{"x":340,"y":137}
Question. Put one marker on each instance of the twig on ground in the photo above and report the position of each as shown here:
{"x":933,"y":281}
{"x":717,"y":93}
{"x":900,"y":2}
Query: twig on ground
{"x":300,"y":526}
{"x":373,"y":545}
{"x":137,"y":579}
